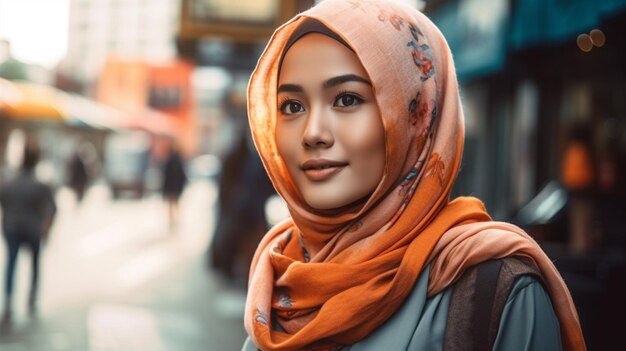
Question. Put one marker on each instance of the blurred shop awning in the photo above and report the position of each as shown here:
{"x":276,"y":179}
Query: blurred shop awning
{"x":84,"y":112}
{"x":28,"y":101}
{"x":477,"y":35}
{"x":548,"y":21}
{"x":25,"y":101}
{"x":154,"y":122}
{"x":481,"y":33}
{"x":34,"y":102}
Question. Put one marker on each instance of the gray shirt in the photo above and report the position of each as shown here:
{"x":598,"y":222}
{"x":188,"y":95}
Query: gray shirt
{"x":528,"y":321}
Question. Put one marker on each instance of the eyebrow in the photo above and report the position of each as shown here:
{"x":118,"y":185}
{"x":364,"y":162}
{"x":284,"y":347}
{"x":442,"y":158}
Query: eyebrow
{"x":290,"y":88}
{"x":343,"y":79}
{"x":332,"y":82}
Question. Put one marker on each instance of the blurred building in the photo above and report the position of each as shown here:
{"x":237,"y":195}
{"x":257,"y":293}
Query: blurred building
{"x":531,"y":73}
{"x":130,"y":29}
{"x":158,"y":97}
{"x":525,"y":82}
{"x":123,"y":52}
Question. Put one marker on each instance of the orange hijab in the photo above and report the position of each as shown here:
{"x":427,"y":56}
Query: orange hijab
{"x":329,"y":278}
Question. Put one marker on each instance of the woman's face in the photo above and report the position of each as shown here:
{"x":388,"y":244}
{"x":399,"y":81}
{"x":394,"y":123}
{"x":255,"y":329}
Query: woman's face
{"x":329,"y":130}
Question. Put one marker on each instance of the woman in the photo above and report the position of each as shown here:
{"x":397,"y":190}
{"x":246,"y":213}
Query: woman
{"x":355,"y":111}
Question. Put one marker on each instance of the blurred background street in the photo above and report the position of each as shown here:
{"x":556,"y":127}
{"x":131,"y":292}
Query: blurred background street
{"x":131,"y":116}
{"x":116,"y":278}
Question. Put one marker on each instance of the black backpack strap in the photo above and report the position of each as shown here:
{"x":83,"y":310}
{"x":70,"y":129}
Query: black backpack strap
{"x":477,"y":302}
{"x":486,"y":283}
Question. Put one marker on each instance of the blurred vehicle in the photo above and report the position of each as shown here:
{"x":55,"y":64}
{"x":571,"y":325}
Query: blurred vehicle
{"x":545,"y":207}
{"x":126,"y":159}
{"x":544,"y":217}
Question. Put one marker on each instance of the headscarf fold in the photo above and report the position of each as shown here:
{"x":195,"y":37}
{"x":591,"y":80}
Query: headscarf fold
{"x":323,"y":279}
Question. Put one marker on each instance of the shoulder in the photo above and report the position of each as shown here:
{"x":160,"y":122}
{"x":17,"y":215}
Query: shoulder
{"x":528,"y":318}
{"x":493,"y":300}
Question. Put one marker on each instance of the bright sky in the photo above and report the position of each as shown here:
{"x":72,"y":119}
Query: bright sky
{"x":37,"y":29}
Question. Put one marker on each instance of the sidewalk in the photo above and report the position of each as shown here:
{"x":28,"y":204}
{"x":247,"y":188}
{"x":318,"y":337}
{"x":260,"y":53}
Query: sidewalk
{"x":127,"y":283}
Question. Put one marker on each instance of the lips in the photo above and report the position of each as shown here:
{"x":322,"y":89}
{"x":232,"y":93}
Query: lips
{"x":318,"y":170}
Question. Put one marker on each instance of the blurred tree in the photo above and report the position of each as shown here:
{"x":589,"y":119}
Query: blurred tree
{"x":11,"y":68}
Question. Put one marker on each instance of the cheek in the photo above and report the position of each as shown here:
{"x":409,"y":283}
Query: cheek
{"x":286,"y":143}
{"x":365,"y":140}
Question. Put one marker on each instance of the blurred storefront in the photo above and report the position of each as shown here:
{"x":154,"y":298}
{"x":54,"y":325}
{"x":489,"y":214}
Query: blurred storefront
{"x":526,"y":83}
{"x":59,"y":121}
{"x":532,"y":73}
{"x":157,"y":98}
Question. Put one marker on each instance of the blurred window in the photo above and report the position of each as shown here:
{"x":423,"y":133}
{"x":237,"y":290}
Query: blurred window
{"x":259,"y":11}
{"x":165,"y":97}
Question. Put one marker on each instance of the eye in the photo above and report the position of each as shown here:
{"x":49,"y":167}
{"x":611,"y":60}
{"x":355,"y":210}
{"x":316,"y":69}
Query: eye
{"x":347,"y":100}
{"x":291,"y":107}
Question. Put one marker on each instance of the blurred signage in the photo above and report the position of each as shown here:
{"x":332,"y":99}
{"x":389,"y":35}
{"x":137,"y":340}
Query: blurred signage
{"x":165,"y":97}
{"x":234,"y":11}
{"x":123,"y":84}
{"x":157,"y":97}
{"x":137,"y":85}
{"x":169,"y":88}
{"x":480,"y":32}
{"x":551,"y":21}
{"x":237,"y":20}
{"x":476,"y":31}
{"x":228,"y":54}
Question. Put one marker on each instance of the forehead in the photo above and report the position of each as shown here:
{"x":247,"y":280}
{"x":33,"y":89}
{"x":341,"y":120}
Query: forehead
{"x":316,"y":57}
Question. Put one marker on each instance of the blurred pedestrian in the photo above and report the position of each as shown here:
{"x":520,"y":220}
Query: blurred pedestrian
{"x":174,"y":181}
{"x":28,"y":209}
{"x":78,"y":177}
{"x":244,"y":189}
{"x":577,"y":175}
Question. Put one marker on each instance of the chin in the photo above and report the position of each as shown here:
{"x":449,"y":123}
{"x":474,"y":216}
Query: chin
{"x":320,"y":201}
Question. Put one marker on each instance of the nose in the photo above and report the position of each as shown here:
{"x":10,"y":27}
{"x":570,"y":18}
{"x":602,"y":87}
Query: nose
{"x":318,"y":131}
